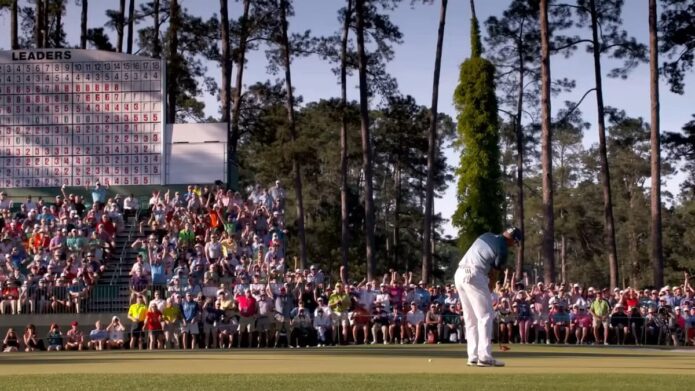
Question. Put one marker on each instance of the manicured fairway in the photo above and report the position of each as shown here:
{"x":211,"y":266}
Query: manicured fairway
{"x":355,"y":368}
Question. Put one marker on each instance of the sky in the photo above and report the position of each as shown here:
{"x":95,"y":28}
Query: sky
{"x":414,"y":62}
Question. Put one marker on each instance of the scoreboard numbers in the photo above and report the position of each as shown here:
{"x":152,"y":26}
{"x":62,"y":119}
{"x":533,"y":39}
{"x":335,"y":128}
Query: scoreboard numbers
{"x":75,"y":117}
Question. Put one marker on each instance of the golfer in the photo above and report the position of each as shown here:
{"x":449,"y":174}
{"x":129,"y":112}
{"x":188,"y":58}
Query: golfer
{"x":487,"y":254}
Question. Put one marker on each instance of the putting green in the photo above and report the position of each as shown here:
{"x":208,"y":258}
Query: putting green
{"x":392,"y":359}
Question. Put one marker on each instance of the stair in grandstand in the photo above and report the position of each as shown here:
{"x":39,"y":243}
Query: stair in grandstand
{"x":111,"y":292}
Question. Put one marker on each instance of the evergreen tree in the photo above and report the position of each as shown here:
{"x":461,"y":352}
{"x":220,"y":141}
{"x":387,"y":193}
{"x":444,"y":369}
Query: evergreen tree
{"x":432,"y":151}
{"x":479,"y":193}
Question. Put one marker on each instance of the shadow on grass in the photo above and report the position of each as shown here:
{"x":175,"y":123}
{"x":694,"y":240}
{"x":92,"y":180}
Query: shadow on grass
{"x":115,"y":357}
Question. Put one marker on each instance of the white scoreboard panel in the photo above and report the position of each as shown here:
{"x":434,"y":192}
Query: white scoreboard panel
{"x":73,"y":117}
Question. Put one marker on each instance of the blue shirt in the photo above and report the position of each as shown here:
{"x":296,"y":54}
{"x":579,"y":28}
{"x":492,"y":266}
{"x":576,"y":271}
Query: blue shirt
{"x":190,"y":310}
{"x":97,"y":335}
{"x":158,"y":276}
{"x":99,"y":194}
{"x":488,"y":251}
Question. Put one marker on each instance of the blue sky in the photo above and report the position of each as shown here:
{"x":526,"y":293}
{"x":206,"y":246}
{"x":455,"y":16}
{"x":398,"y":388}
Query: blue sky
{"x":413,"y":63}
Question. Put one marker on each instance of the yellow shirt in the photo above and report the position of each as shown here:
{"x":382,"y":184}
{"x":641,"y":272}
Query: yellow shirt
{"x":339,"y":302}
{"x":137,"y":311}
{"x":171,"y":314}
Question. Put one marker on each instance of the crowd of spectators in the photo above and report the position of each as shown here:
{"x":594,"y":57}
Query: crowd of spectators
{"x":54,"y":251}
{"x":211,"y":272}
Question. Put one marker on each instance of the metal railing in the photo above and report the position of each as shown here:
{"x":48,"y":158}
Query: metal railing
{"x":125,"y":249}
{"x":64,"y":299}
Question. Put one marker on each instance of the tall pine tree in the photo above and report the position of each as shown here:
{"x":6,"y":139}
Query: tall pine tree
{"x":479,"y":193}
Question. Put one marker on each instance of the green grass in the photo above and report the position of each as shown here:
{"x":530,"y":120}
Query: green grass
{"x":352,"y":382}
{"x":354,"y":368}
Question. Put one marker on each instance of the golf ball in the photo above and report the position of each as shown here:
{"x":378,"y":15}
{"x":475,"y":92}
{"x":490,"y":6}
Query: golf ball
{"x":429,"y":360}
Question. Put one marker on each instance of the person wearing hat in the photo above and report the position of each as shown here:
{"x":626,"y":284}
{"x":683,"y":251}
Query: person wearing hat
{"x":339,"y":302}
{"x":74,"y":338}
{"x":487,"y":254}
{"x":380,"y":322}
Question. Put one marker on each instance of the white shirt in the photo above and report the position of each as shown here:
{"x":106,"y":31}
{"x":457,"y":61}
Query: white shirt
{"x":385,"y":300}
{"x":131,"y":203}
{"x":415,"y":318}
{"x":160,"y":303}
{"x":323,"y":320}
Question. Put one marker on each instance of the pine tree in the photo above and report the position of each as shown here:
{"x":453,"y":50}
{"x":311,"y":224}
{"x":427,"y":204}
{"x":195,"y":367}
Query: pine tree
{"x":431,"y":151}
{"x":479,"y":193}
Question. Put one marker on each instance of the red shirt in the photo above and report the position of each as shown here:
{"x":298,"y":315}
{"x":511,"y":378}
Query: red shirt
{"x":153,"y":320}
{"x":247,"y":305}
{"x":109,"y":228}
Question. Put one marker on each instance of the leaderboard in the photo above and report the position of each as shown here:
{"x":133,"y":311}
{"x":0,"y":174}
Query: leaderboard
{"x":75,"y":117}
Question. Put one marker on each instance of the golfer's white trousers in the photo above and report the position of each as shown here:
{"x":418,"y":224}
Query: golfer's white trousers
{"x":476,"y":303}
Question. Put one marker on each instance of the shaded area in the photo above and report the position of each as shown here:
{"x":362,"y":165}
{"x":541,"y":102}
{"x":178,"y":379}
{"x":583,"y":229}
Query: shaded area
{"x":318,"y":381}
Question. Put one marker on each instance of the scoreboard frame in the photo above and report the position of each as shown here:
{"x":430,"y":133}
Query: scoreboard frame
{"x":40,"y":147}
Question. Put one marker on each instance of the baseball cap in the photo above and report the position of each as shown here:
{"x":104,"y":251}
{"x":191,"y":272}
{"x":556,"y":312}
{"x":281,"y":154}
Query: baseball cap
{"x":74,"y":323}
{"x":514,"y":233}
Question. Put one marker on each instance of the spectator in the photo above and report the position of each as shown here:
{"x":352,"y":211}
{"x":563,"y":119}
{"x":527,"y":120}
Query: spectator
{"x":153,"y":325}
{"x":171,"y":316}
{"x":600,"y":310}
{"x":136,"y":315}
{"x":116,"y":332}
{"x":74,"y":338}
{"x":99,"y":194}
{"x":323,"y":326}
{"x":433,"y":324}
{"x":190,"y":311}
{"x":11,"y":342}
{"x":31,"y":341}
{"x":339,"y":303}
{"x":620,"y":324}
{"x":301,"y":329}
{"x":97,"y":337}
{"x":212,"y":314}
{"x":247,"y":312}
{"x":380,"y":323}
{"x":130,"y":206}
{"x":55,"y":338}
{"x":414,"y":323}
{"x":560,"y":321}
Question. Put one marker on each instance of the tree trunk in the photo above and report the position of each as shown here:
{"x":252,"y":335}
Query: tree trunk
{"x":296,"y":167}
{"x":397,"y":216}
{"x":120,"y":26}
{"x":519,"y":264}
{"x":156,"y":47}
{"x":226,"y":90}
{"x":14,"y":25}
{"x":173,"y":42}
{"x":344,"y":217}
{"x":45,"y":24}
{"x":83,"y":25}
{"x":236,"y":101}
{"x":366,"y":145}
{"x":563,"y":259}
{"x":633,"y":250}
{"x":58,"y":22}
{"x":657,"y":256}
{"x":431,"y":151}
{"x":38,"y":24}
{"x":609,"y":229}
{"x":131,"y":22}
{"x":546,"y":151}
